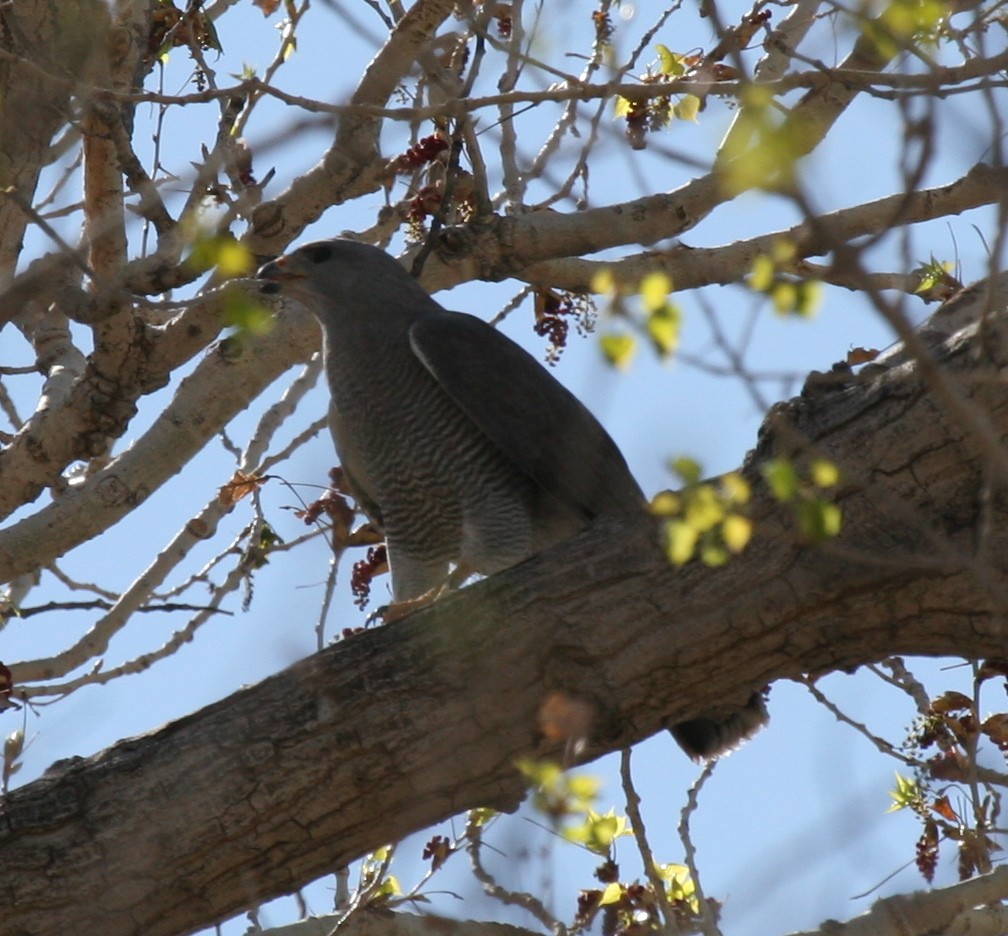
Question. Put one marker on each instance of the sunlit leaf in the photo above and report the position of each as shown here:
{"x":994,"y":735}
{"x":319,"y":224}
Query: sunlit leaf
{"x":618,"y":348}
{"x":763,"y":272}
{"x":680,"y":541}
{"x":809,"y":298}
{"x":612,"y":894}
{"x":688,"y":107}
{"x":663,"y":327}
{"x":763,"y":149}
{"x":247,"y":315}
{"x":671,"y":63}
{"x":603,"y":283}
{"x":480,"y":816}
{"x":736,"y":531}
{"x":584,"y":788}
{"x":666,"y":504}
{"x":713,"y":552}
{"x":819,"y":520}
{"x":389,"y":887}
{"x":234,"y":259}
{"x":734,"y":488}
{"x":785,"y":296}
{"x":598,"y":832}
{"x":824,"y":473}
{"x":654,"y":290}
{"x":906,"y":794}
{"x":688,"y":469}
{"x":704,"y":508}
{"x":780,"y":474}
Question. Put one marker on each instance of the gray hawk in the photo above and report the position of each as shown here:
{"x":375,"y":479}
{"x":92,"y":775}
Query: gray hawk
{"x":457,"y":444}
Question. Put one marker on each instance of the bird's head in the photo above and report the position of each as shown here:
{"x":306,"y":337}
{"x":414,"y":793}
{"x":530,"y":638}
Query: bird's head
{"x":292,"y":270}
{"x":344,"y":277}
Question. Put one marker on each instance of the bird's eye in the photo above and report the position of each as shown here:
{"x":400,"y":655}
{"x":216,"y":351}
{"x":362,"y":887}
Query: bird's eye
{"x":318,"y":253}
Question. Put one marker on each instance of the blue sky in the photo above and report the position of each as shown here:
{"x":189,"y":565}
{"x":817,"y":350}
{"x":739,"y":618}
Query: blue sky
{"x":793,"y":825}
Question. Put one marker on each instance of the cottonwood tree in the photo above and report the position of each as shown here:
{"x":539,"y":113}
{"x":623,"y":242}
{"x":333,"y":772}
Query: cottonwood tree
{"x":611,"y":164}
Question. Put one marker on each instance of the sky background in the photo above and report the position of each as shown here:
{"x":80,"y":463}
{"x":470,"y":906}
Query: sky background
{"x":792,"y":827}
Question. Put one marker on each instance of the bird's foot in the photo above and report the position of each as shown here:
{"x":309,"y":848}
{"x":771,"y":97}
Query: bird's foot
{"x":399,"y":609}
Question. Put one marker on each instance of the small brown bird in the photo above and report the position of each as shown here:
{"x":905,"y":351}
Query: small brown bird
{"x":455,"y":441}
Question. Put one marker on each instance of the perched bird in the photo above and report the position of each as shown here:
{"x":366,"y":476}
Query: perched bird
{"x":455,"y":441}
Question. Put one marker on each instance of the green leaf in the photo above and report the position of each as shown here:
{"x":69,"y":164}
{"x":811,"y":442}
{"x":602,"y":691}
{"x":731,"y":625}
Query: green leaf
{"x":819,"y":520}
{"x":671,"y":63}
{"x":704,"y":509}
{"x":543,"y":773}
{"x":763,"y":150}
{"x":598,"y":832}
{"x":666,"y":504}
{"x":785,"y":297}
{"x":935,"y":280}
{"x":907,"y":793}
{"x":389,"y":887}
{"x":480,"y":816}
{"x":210,"y":31}
{"x":713,"y":552}
{"x":688,"y":469}
{"x":558,"y":793}
{"x":808,"y":298}
{"x":619,"y":348}
{"x":229,"y":256}
{"x":654,"y":291}
{"x":681,"y":888}
{"x":782,"y":478}
{"x":583,"y":789}
{"x":663,"y":326}
{"x":824,"y":473}
{"x":234,"y":259}
{"x":612,"y":894}
{"x":680,"y":541}
{"x":687,"y":108}
{"x":736,"y":531}
{"x":247,"y":315}
{"x":764,"y":270}
{"x":735,"y":489}
{"x":603,"y":283}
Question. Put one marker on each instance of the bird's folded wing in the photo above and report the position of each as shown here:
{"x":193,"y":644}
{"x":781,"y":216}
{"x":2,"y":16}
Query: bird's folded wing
{"x":542,"y":428}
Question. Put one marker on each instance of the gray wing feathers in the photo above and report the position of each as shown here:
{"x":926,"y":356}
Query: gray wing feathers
{"x":542,"y":428}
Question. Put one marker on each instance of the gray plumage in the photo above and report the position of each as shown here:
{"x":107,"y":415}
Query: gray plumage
{"x":455,"y":441}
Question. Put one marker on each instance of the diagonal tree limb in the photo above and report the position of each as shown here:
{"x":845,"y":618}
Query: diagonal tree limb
{"x":399,"y":728}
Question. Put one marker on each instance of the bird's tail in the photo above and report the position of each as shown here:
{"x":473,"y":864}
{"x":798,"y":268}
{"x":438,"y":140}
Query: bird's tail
{"x":719,"y":732}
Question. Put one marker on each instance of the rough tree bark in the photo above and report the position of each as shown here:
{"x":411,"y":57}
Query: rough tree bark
{"x":393,"y":730}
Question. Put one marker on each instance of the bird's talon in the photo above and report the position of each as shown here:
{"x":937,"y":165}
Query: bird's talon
{"x":376,"y":616}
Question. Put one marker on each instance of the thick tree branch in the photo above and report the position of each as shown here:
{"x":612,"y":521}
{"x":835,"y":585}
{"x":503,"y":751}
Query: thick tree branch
{"x":350,"y":748}
{"x":947,"y":910}
{"x":692,"y":267}
{"x":203,"y":404}
{"x":59,"y":37}
{"x":378,"y":922}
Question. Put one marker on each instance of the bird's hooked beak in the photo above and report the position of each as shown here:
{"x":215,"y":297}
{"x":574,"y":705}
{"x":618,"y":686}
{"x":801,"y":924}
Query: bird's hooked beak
{"x":275,"y":274}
